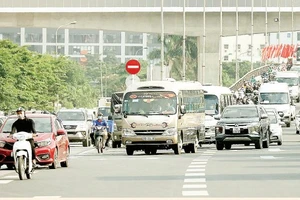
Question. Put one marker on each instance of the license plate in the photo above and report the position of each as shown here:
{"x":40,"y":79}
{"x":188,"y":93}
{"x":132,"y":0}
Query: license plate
{"x":148,"y":138}
{"x":236,"y":130}
{"x":12,"y":154}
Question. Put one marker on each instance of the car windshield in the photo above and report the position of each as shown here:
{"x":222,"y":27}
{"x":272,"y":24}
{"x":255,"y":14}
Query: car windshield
{"x":42,"y":124}
{"x":211,"y":103}
{"x":274,"y":98}
{"x":240,"y":112}
{"x":272,"y":117}
{"x":71,"y":116}
{"x":147,"y":103}
{"x":104,"y":110}
{"x":295,"y":69}
{"x":291,"y":81}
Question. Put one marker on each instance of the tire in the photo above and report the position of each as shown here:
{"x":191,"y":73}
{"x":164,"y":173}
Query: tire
{"x":21,"y":167}
{"x":219,"y":146}
{"x":177,"y":149}
{"x":98,"y":144}
{"x":10,"y":166}
{"x":153,"y":151}
{"x":66,"y":163}
{"x":129,"y":151}
{"x":147,"y":151}
{"x":85,"y":143}
{"x":267,"y":142}
{"x":193,"y":148}
{"x":279,"y":143}
{"x":228,"y":146}
{"x":119,"y":144}
{"x":186,"y":149}
{"x":297,"y":132}
{"x":114,"y":144}
{"x":258,"y":144}
{"x":55,"y":162}
{"x":288,"y":124}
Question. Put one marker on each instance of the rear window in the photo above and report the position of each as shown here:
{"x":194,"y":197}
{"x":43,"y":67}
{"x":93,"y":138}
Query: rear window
{"x":42,"y":124}
{"x":71,"y":116}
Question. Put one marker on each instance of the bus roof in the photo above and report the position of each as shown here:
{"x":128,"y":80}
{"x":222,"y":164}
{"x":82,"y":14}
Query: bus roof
{"x":218,"y":90}
{"x":165,"y":86}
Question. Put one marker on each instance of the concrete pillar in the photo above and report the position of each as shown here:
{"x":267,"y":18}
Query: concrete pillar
{"x":66,"y":42}
{"x":44,"y":34}
{"x":145,"y":47}
{"x":208,"y":72}
{"x":22,"y":36}
{"x":123,"y":39}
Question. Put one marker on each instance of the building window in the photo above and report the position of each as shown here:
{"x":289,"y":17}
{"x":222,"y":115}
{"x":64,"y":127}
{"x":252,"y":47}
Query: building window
{"x":262,"y":46}
{"x":112,"y":37}
{"x":226,"y":46}
{"x":36,"y":48}
{"x":83,"y":36}
{"x":225,"y":58}
{"x":134,"y":38}
{"x":33,"y":35}
{"x":12,"y":34}
{"x":249,"y":46}
{"x":298,"y":36}
{"x":288,"y":35}
{"x":116,"y":50}
{"x":239,"y":47}
{"x":134,"y":50}
{"x":51,"y":50}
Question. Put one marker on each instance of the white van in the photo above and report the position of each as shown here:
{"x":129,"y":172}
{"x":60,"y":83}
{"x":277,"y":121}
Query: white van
{"x":292,"y":79}
{"x":276,"y":95}
{"x":216,"y":98}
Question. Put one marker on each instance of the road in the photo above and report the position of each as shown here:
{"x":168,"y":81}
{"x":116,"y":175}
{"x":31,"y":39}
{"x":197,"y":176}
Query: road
{"x":239,"y":172}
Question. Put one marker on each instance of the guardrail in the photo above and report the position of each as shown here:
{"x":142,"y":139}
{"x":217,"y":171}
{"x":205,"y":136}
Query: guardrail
{"x":248,"y":76}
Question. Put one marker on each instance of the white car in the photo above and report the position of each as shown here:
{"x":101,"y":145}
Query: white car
{"x":210,"y":125}
{"x":275,"y":127}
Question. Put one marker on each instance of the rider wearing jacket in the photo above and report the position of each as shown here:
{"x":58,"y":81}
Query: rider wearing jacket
{"x":27,"y":125}
{"x":99,"y":122}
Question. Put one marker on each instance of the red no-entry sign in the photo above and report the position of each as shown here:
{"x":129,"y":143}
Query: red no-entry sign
{"x":133,"y":66}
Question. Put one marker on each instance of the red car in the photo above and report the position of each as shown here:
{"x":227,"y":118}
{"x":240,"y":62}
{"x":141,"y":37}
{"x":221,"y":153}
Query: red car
{"x":51,"y":141}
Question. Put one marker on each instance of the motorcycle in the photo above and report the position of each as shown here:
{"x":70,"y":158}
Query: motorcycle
{"x":100,"y":132}
{"x":22,"y":154}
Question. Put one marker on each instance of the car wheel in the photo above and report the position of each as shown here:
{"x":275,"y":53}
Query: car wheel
{"x":153,"y":151}
{"x":9,"y":166}
{"x":193,"y":148}
{"x":177,"y":149}
{"x":288,"y":124}
{"x":114,"y":144}
{"x":279,"y":143}
{"x":228,"y":146}
{"x":147,"y":151}
{"x":297,"y":132}
{"x":55,"y":162}
{"x":219,"y":145}
{"x":119,"y":144}
{"x":129,"y":151}
{"x":186,"y":149}
{"x":258,"y":144}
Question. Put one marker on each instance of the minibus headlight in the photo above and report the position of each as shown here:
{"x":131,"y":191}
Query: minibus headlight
{"x":170,"y":131}
{"x":128,"y":132}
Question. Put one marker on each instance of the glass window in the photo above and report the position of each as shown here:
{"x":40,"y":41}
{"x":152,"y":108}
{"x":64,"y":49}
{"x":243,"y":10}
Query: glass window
{"x":83,"y":50}
{"x":33,"y":35}
{"x":274,"y":98}
{"x":42,"y":124}
{"x":71,"y":116}
{"x":134,"y":38}
{"x":12,"y":34}
{"x":112,"y":37}
{"x":240,"y":112}
{"x":51,"y":50}
{"x":226,"y":46}
{"x":36,"y":48}
{"x":290,"y":81}
{"x":211,"y":103}
{"x":134,"y":50}
{"x":116,"y":50}
{"x":83,"y":36}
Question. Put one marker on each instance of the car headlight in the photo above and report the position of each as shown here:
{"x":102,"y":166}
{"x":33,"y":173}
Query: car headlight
{"x":253,"y":127}
{"x":128,"y":132}
{"x":44,"y":143}
{"x":2,"y":144}
{"x":210,"y":129}
{"x":170,"y":131}
{"x":219,"y":129}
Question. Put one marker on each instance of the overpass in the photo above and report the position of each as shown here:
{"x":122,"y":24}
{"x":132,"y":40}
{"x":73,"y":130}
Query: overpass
{"x":144,"y":16}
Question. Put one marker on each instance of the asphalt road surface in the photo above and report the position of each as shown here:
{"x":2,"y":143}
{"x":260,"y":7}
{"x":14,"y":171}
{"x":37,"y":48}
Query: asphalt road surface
{"x":240,"y":172}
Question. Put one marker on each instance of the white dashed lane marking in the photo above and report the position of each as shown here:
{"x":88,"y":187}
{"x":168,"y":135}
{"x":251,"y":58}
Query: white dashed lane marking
{"x":5,"y":181}
{"x":195,"y":181}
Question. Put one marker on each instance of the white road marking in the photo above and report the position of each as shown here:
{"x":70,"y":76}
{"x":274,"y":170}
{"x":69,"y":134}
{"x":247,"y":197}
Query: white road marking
{"x":195,"y":180}
{"x":198,"y":163}
{"x":11,"y":177}
{"x":47,"y":197}
{"x":99,"y":159}
{"x":275,"y":149}
{"x":151,"y":158}
{"x":204,"y":157}
{"x":195,"y":186}
{"x":195,"y":174}
{"x":3,"y":173}
{"x":87,"y":151}
{"x":267,"y":157}
{"x":196,"y":166}
{"x":201,"y":159}
{"x":194,"y":193}
{"x":5,"y":181}
{"x":195,"y":170}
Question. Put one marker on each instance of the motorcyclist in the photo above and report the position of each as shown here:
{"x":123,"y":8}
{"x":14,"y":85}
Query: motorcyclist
{"x":25,"y":124}
{"x":99,"y":122}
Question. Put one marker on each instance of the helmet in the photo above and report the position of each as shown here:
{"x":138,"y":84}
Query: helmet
{"x":20,"y":109}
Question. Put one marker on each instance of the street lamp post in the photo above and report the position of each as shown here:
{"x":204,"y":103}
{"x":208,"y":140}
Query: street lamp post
{"x":74,"y":22}
{"x":140,"y":49}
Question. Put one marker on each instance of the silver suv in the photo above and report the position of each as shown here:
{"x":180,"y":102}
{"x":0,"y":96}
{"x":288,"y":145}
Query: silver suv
{"x":77,"y":125}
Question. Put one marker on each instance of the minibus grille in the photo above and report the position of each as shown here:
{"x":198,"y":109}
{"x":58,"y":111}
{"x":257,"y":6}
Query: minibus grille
{"x":149,"y":132}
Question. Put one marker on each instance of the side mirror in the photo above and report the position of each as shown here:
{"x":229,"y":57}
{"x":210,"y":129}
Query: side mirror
{"x":118,"y":108}
{"x":264,"y":116}
{"x":281,"y":114}
{"x":217,"y":117}
{"x":281,"y":123}
{"x":182,"y":109}
{"x":61,"y":132}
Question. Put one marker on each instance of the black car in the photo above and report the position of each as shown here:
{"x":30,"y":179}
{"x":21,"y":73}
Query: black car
{"x":243,"y":124}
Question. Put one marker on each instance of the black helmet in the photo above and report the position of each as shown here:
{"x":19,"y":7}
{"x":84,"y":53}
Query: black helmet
{"x":20,"y":109}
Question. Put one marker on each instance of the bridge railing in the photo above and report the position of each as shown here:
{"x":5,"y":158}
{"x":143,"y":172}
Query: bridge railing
{"x":256,"y":72}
